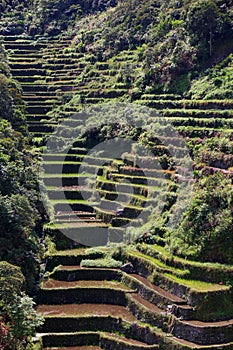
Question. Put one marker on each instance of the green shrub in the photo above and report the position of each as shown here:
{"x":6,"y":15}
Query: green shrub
{"x":17,"y":315}
{"x":205,"y":232}
{"x":105,"y":263}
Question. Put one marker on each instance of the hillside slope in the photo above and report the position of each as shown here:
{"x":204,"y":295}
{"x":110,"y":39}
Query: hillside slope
{"x":146,"y":53}
{"x":91,"y":64}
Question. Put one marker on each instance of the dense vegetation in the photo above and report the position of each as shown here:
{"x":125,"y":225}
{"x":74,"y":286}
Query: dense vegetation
{"x":20,"y":217}
{"x":179,"y":49}
{"x":206,"y":230}
{"x":18,"y":318}
{"x":215,"y":83}
{"x":46,"y":16}
{"x":174,"y":39}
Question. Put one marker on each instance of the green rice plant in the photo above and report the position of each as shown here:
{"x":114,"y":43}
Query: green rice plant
{"x":106,"y":262}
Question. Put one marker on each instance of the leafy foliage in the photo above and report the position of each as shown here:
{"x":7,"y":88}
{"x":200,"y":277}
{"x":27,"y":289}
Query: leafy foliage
{"x":11,"y":105}
{"x":206,"y":232}
{"x":46,"y":16}
{"x":18,"y":319}
{"x":20,"y":208}
{"x":11,"y":282}
{"x":206,"y":23}
{"x":215,"y":83}
{"x":173,"y":39}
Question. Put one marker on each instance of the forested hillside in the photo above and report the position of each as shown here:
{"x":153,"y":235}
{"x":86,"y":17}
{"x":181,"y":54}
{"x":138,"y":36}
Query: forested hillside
{"x":176,"y":40}
{"x":21,"y":213}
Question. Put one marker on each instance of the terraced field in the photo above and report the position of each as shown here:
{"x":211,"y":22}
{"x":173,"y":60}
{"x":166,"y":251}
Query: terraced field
{"x":166,"y":303}
{"x":146,"y":309}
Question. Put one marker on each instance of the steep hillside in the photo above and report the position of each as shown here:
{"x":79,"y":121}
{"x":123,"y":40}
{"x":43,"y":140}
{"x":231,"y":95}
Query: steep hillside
{"x":21,"y":215}
{"x":45,"y":16}
{"x":20,"y":205}
{"x":135,"y":53}
{"x":215,"y":83}
{"x":141,"y":52}
{"x":82,"y":68}
{"x":174,"y":40}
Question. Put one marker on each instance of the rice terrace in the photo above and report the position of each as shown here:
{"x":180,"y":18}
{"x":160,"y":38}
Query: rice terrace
{"x":116,"y":170}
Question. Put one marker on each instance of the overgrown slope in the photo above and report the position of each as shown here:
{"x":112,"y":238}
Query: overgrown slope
{"x":20,"y":209}
{"x":20,"y":217}
{"x":175,"y":40}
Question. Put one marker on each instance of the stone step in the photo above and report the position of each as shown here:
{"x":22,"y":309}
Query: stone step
{"x":34,"y":88}
{"x":41,"y":101}
{"x":63,"y":86}
{"x":18,"y":61}
{"x":188,"y":104}
{"x":118,"y":222}
{"x":41,"y":127}
{"x":41,"y":134}
{"x":63,"y":72}
{"x":19,"y":38}
{"x":72,"y":257}
{"x":53,"y":284}
{"x":86,"y":220}
{"x":54,"y":67}
{"x":40,"y":95}
{"x":21,"y":53}
{"x":35,"y":118}
{"x":153,"y":293}
{"x":54,"y":180}
{"x":172,"y":342}
{"x":38,"y":109}
{"x":71,"y":62}
{"x":68,"y":167}
{"x":25,"y":56}
{"x":72,"y":194}
{"x":204,"y":333}
{"x":62,"y":80}
{"x":154,"y":309}
{"x":153,"y":314}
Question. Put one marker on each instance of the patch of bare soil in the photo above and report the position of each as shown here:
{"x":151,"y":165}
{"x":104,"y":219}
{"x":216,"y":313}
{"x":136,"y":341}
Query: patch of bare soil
{"x":86,"y":310}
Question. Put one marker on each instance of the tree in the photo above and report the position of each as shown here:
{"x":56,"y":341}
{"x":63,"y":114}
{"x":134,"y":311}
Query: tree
{"x":18,"y":318}
{"x":11,"y":282}
{"x":16,"y":215}
{"x":24,"y":318}
{"x":203,"y":21}
{"x":206,"y":231}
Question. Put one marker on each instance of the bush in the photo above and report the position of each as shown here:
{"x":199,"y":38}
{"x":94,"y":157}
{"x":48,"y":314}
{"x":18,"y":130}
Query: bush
{"x":18,"y":319}
{"x":206,"y":231}
{"x":20,"y":206}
